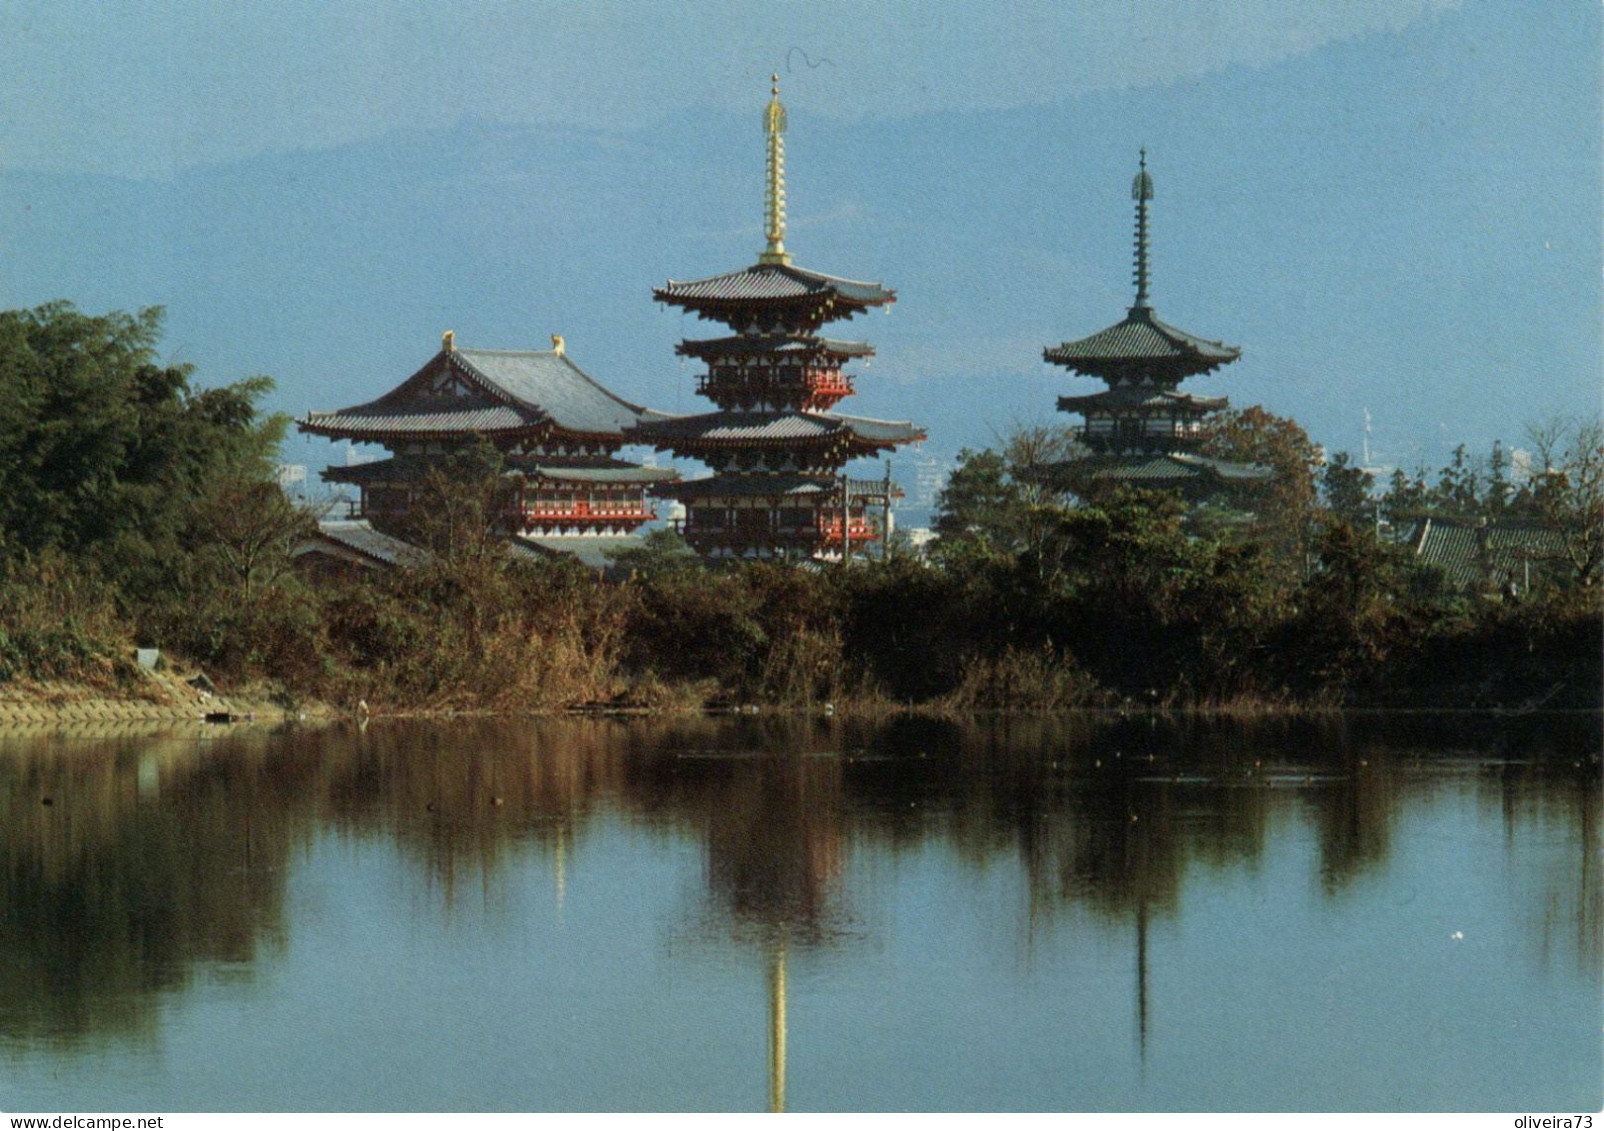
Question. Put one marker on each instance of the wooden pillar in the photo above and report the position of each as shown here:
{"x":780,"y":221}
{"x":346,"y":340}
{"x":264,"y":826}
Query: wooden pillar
{"x":846,"y":518}
{"x":885,"y":518}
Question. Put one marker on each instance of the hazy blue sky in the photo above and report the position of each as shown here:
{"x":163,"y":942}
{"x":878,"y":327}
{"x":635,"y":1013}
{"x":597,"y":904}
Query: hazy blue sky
{"x":1391,"y":205}
{"x":142,"y":88}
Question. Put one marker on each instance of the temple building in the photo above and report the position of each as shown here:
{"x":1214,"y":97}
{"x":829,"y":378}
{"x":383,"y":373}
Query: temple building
{"x":556,"y":428}
{"x":1142,"y":430}
{"x":775,"y":444}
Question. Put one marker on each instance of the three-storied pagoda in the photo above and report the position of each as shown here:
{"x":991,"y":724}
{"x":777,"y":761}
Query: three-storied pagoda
{"x":1142,"y":430}
{"x":775,"y":447}
{"x":556,"y":427}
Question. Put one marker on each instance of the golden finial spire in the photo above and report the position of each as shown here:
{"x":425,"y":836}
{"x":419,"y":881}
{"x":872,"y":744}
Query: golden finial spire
{"x":774,"y":193}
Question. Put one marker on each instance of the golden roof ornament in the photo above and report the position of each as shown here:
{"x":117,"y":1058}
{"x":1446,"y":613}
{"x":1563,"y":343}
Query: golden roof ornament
{"x":774,"y":191}
{"x":448,"y":341}
{"x":558,"y":346}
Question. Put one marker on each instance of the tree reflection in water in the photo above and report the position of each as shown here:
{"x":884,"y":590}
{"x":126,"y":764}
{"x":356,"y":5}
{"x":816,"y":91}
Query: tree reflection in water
{"x":160,"y":856}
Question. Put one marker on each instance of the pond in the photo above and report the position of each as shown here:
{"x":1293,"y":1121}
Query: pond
{"x":1342,"y":913}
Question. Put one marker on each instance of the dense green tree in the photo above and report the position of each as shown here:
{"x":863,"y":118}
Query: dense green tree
{"x":660,"y":551}
{"x":241,"y":534}
{"x":1568,"y":495}
{"x":1406,"y":498}
{"x":1458,"y":493}
{"x":1347,"y":490}
{"x":1500,"y":490}
{"x":104,"y":450}
{"x":1283,"y":511}
{"x":1004,"y":506}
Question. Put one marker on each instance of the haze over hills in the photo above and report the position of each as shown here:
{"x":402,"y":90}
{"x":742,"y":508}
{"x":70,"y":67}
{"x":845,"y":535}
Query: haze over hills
{"x":1388,"y":245}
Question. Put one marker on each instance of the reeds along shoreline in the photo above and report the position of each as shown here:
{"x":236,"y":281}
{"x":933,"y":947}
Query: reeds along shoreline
{"x":550,"y":639}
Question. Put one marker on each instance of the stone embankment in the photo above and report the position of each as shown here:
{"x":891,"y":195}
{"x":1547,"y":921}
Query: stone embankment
{"x":161,"y":696}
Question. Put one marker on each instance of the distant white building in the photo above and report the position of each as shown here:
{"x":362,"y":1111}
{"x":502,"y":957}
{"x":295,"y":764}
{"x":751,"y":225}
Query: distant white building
{"x":919,"y":538}
{"x":929,"y":477}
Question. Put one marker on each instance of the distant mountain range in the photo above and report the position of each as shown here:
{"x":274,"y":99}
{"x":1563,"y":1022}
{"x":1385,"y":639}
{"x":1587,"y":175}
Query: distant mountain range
{"x":1366,"y":249}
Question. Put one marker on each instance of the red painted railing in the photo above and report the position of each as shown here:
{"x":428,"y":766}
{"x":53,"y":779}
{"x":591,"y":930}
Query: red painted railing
{"x":588,"y":511}
{"x":859,"y":529}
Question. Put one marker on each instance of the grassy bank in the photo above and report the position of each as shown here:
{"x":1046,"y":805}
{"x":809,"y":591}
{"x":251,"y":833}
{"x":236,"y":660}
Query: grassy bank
{"x":513,"y":639}
{"x":137,"y":511}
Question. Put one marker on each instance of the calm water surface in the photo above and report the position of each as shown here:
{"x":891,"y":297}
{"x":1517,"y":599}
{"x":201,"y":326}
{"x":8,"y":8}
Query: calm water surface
{"x":1364,"y":913}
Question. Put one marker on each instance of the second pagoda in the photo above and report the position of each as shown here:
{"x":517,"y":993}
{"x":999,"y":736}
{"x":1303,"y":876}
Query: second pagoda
{"x":776,"y":449}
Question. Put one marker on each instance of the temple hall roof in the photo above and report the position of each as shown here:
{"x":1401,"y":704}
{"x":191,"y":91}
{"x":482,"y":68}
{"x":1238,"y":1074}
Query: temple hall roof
{"x":357,"y":537}
{"x":595,"y":551}
{"x":780,"y":485}
{"x":1141,"y":341}
{"x":498,"y":391}
{"x":574,"y":470}
{"x":446,"y":420}
{"x":625,"y":475}
{"x":1471,"y":555}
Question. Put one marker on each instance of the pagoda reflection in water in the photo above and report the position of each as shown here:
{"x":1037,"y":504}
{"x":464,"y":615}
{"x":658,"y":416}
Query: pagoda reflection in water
{"x":158,"y":858}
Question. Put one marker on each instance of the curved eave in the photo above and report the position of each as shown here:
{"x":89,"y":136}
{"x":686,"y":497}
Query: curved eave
{"x":1110,"y":403}
{"x":771,"y":281}
{"x":792,"y":487}
{"x":736,"y":430}
{"x":812,"y":295}
{"x":622,"y":477}
{"x":1141,"y":343}
{"x":814,"y":309}
{"x":1174,"y":469}
{"x":1175,"y":369}
{"x":748,"y":486}
{"x":717,"y":349}
{"x":378,"y":430}
{"x":361,"y":474}
{"x":856,"y":445}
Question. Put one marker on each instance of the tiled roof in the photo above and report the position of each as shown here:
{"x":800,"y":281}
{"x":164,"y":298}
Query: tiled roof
{"x":776,"y":486}
{"x":374,"y":471}
{"x":578,"y":469}
{"x":630,"y":475}
{"x":1140,"y":338}
{"x":1139,"y":397}
{"x":511,"y":390}
{"x":593,"y":551}
{"x":774,"y":427}
{"x":772,"y":281}
{"x":746,"y":345}
{"x":547,"y":381}
{"x":359,"y":536}
{"x":1481,"y":555}
{"x":377,"y":419}
{"x":1175,"y":467}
